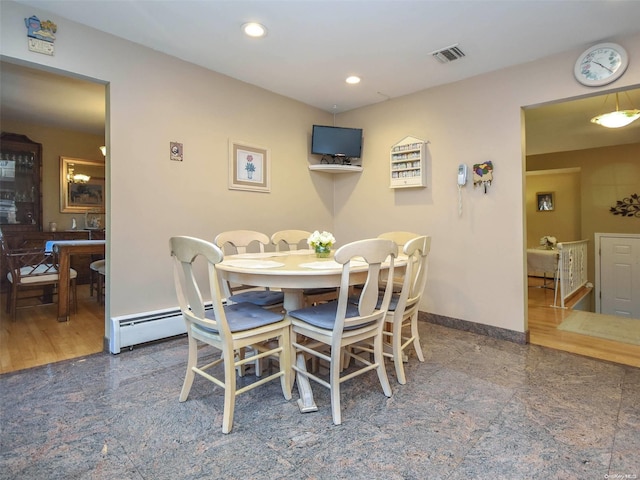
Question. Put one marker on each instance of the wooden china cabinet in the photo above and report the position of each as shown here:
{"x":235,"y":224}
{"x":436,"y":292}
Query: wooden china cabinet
{"x":21,"y":203}
{"x":20,"y":180}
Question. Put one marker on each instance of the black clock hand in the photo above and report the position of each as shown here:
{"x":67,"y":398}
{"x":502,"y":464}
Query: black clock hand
{"x":597,"y":63}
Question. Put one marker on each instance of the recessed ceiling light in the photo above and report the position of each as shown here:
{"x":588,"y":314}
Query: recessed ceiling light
{"x":255,"y":30}
{"x":352,"y":80}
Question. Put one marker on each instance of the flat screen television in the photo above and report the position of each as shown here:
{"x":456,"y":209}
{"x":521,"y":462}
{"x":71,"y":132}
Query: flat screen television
{"x":336,"y":141}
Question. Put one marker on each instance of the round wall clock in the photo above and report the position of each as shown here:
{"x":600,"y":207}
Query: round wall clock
{"x":601,"y":64}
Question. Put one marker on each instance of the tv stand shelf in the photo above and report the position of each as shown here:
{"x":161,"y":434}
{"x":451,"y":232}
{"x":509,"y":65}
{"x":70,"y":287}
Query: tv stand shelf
{"x":335,"y":168}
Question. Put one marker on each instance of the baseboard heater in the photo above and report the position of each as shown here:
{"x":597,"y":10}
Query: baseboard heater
{"x":129,"y":330}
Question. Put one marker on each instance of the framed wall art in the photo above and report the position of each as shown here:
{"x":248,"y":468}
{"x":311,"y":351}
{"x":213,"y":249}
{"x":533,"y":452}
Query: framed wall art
{"x":545,"y":201}
{"x":82,"y":185}
{"x":249,"y":167}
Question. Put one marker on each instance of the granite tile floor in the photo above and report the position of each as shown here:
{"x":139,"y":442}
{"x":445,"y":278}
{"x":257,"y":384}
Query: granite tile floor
{"x":477,"y":408}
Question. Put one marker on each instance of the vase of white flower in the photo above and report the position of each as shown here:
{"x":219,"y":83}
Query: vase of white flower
{"x":323,"y":251}
{"x":321,"y":243}
{"x":548,"y":242}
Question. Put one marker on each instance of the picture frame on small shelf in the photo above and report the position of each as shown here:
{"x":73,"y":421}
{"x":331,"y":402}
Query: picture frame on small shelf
{"x":545,"y":201}
{"x":249,"y":167}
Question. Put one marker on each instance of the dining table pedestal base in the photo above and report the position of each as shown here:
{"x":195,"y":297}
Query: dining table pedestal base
{"x":306,"y":403}
{"x":293,"y":300}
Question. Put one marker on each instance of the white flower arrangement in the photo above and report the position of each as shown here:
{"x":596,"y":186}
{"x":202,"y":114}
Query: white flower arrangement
{"x":317,"y":239}
{"x":548,"y":241}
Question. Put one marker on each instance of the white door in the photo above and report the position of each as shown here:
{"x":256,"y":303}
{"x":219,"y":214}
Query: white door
{"x":620,"y":275}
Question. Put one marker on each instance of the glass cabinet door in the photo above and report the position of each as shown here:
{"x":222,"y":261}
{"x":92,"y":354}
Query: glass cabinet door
{"x":20,"y":202}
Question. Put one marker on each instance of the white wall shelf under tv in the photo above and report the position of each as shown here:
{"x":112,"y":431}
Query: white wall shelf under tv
{"x":335,"y":168}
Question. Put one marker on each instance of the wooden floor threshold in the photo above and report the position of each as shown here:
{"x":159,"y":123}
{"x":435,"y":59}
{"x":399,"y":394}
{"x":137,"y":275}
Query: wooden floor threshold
{"x":578,"y":296}
{"x":544,"y":319}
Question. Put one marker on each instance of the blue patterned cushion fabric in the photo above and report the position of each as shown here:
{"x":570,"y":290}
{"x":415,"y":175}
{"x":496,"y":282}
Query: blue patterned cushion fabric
{"x":323,"y":315}
{"x":244,"y":316}
{"x":262,"y":298}
{"x":316,"y":291}
{"x":395,"y":298}
{"x":392,"y":304}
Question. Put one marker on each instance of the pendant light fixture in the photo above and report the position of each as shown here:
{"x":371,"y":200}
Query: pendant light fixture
{"x":619,"y":118}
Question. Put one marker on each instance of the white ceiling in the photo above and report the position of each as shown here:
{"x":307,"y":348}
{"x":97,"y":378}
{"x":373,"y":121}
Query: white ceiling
{"x":312,"y":46}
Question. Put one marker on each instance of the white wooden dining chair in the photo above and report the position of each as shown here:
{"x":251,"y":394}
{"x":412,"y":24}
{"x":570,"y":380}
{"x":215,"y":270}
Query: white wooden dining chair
{"x":291,"y":240}
{"x":239,"y":242}
{"x":229,"y":328}
{"x":401,"y":329}
{"x":400,"y":237}
{"x":340,"y":324}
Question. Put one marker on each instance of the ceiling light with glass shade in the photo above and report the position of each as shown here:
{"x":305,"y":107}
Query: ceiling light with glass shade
{"x":353,"y":80}
{"x":618,"y":118}
{"x":73,"y":177}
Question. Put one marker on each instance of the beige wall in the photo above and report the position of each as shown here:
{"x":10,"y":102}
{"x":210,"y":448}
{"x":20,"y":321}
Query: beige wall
{"x":563,"y":222}
{"x":477,"y":267}
{"x":606,"y":175}
{"x":154,"y":99}
{"x":57,"y":142}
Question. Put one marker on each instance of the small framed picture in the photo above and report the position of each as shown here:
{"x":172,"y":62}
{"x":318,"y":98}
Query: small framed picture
{"x":545,"y":201}
{"x":176,"y":151}
{"x":249,"y":167}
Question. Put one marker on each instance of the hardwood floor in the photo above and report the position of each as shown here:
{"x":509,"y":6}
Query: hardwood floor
{"x":36,"y":338}
{"x":543,"y":322}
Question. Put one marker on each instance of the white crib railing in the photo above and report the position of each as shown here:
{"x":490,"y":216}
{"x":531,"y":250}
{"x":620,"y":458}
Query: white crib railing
{"x":572,"y":269}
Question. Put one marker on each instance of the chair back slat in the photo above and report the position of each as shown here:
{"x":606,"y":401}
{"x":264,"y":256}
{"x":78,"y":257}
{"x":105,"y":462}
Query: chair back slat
{"x":400,"y":237}
{"x":291,"y":238}
{"x":23,"y":264}
{"x":415,"y":277}
{"x":239,"y":241}
{"x":186,"y":251}
{"x":374,"y":252}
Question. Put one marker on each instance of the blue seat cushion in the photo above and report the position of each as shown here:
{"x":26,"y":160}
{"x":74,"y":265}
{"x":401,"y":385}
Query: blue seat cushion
{"x":319,"y":290}
{"x":393,"y":303}
{"x":263,"y":298}
{"x":323,"y":315}
{"x":243,"y":316}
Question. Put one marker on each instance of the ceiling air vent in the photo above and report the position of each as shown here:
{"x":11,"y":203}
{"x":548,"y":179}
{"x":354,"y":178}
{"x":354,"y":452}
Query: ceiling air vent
{"x":448,"y":54}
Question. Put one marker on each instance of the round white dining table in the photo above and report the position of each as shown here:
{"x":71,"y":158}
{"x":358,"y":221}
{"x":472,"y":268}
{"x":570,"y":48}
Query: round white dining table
{"x":292,"y":272}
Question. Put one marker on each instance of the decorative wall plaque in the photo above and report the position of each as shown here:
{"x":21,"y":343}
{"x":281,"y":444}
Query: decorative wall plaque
{"x":628,"y":206}
{"x":41,"y":35}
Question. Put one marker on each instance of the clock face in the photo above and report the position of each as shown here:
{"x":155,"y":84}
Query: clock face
{"x":601,"y":64}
